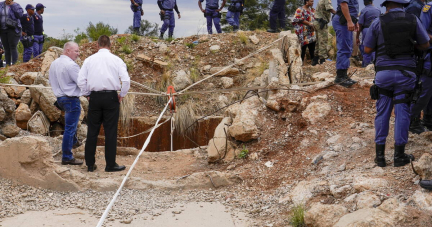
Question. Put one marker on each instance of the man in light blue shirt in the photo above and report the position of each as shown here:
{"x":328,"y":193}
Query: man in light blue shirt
{"x":63,"y":76}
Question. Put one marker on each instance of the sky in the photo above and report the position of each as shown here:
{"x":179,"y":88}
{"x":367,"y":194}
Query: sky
{"x":64,"y":16}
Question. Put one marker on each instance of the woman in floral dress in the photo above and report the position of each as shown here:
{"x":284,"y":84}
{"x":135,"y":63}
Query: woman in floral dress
{"x":303,"y":25}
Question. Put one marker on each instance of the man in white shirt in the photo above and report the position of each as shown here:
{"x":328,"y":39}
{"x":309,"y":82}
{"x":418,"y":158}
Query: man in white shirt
{"x":99,"y":80}
{"x":63,"y":75}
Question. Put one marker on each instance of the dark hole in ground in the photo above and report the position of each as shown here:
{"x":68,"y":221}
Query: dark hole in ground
{"x":161,"y":139}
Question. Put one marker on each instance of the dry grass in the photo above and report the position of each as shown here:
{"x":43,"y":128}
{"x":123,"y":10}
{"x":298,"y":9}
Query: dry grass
{"x":184,"y":118}
{"x":243,"y":38}
{"x":127,"y":107}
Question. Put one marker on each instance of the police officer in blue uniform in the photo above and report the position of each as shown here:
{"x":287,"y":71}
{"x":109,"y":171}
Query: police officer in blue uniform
{"x":344,"y":23}
{"x":167,"y":15}
{"x":424,"y":103}
{"x":27,"y":24}
{"x":38,"y":30}
{"x":394,"y":37}
{"x":212,"y":14}
{"x":233,"y":14}
{"x":367,"y":15}
{"x":277,"y":13}
{"x":136,"y":7}
{"x":415,"y":7}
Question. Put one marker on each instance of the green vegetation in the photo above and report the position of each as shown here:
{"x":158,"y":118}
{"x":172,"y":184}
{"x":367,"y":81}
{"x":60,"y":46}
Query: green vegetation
{"x":244,"y":152}
{"x":80,"y":36}
{"x":129,"y":65}
{"x":3,"y":78}
{"x":126,"y":49}
{"x":243,"y":38}
{"x":147,"y":29}
{"x":297,"y":216}
{"x":121,"y":40}
{"x":194,"y":74}
{"x":170,"y":39}
{"x":190,"y":45}
{"x":95,"y":31}
{"x":135,"y":38}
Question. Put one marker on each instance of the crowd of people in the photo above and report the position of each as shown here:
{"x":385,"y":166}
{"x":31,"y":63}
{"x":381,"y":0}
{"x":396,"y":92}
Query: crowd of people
{"x":16,"y":26}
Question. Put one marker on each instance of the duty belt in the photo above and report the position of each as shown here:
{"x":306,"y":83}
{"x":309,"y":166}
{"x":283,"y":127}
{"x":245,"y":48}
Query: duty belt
{"x":396,"y":67}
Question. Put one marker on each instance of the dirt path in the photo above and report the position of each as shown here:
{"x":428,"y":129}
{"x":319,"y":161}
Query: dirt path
{"x":181,"y":215}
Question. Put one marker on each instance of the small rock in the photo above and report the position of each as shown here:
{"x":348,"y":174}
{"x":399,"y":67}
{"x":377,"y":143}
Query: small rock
{"x":215,"y":48}
{"x":254,"y":39}
{"x":227,"y":82}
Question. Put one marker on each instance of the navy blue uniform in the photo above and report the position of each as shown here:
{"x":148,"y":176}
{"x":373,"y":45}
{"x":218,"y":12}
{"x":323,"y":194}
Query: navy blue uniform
{"x":38,"y":34}
{"x":397,"y":81}
{"x":137,"y":14}
{"x":27,"y":24}
{"x":212,"y":15}
{"x":233,"y":14}
{"x":168,"y":18}
{"x":277,"y":13}
{"x":367,"y":15}
{"x":415,"y":7}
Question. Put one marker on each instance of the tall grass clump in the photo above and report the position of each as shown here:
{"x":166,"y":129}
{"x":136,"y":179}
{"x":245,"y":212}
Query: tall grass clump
{"x":127,"y":107}
{"x":297,"y":216}
{"x":243,"y":38}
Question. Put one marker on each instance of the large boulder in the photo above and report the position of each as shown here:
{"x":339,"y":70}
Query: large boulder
{"x":51,"y":54}
{"x":181,"y":80}
{"x":39,"y":124}
{"x":46,"y":99}
{"x":14,"y":91}
{"x":22,"y":115}
{"x":26,"y":97}
{"x":316,"y":111}
{"x":28,"y":78}
{"x":244,"y":127}
{"x":373,"y":184}
{"x":422,"y":199}
{"x":305,"y":190}
{"x":320,"y":215}
{"x":291,"y":46}
{"x":391,"y":213}
{"x":367,"y":199}
{"x":220,"y":146}
{"x":28,"y":160}
{"x":424,"y":166}
{"x":7,"y":109}
{"x":10,"y":130}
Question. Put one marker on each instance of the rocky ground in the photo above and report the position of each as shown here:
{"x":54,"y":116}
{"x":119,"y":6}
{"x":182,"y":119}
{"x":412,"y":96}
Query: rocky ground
{"x":303,"y":142}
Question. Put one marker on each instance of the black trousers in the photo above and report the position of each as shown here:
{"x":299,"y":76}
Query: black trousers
{"x":10,"y":41}
{"x":311,"y":47}
{"x":103,"y":109}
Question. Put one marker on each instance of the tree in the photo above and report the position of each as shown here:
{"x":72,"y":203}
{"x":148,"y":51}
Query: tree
{"x":95,"y":31}
{"x":80,"y":35}
{"x":146,"y":29}
{"x":256,"y":14}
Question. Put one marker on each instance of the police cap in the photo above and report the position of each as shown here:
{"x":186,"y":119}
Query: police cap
{"x":404,"y":2}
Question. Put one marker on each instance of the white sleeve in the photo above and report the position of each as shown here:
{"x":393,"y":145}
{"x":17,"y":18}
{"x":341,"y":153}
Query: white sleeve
{"x":82,"y":80}
{"x":125,"y":79}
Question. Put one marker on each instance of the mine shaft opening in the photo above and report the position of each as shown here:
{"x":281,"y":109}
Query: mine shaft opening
{"x":202,"y":133}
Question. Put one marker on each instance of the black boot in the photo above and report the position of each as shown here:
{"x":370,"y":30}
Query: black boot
{"x":349,"y":80}
{"x":341,"y":78}
{"x":170,"y":35}
{"x":322,"y":60}
{"x":400,"y":158}
{"x":271,"y":30}
{"x":416,"y":126}
{"x":380,"y":155}
{"x":235,"y":28}
{"x":315,"y":61}
{"x":161,"y":36}
{"x":427,"y":121}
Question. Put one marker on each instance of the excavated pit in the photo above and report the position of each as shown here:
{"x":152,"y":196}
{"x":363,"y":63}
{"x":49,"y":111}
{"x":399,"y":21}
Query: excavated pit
{"x":161,"y":139}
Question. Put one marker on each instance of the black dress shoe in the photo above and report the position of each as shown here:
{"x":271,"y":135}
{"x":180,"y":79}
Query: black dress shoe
{"x":72,"y":162}
{"x":271,"y":30}
{"x":115,"y":168}
{"x":92,"y":168}
{"x":426,"y":184}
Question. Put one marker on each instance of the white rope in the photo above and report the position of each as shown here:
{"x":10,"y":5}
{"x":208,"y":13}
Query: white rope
{"x":229,"y":66}
{"x":105,"y":214}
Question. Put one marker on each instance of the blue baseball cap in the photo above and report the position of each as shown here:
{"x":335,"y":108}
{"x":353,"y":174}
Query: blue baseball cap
{"x":29,"y":6}
{"x":40,"y":6}
{"x":404,"y":2}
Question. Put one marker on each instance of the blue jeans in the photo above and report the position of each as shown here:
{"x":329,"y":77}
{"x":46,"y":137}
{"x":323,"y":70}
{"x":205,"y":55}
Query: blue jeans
{"x":37,"y":45}
{"x":397,"y":82}
{"x":233,"y":18}
{"x":213,"y":18}
{"x":344,"y":44}
{"x":72,"y":108}
{"x":169,"y":22}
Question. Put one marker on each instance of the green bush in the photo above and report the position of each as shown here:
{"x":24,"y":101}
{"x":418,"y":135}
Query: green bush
{"x":146,"y":29}
{"x":190,"y":45}
{"x":126,"y":49}
{"x":95,"y":31}
{"x":135,"y":38}
{"x":121,"y":40}
{"x":244,"y":153}
{"x":79,"y":36}
{"x":297,"y":216}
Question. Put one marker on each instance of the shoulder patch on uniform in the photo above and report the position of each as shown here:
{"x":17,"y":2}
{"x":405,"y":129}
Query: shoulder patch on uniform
{"x":426,"y":8}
